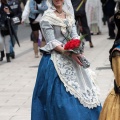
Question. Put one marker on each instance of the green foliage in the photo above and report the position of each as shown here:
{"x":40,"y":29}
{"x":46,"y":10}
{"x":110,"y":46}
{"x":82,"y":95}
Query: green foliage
{"x":82,"y":37}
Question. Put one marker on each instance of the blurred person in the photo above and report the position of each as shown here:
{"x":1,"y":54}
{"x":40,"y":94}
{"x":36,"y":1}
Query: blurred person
{"x":64,"y":90}
{"x":25,"y":16}
{"x":5,"y":14}
{"x":81,"y":17}
{"x":94,"y":16}
{"x":104,"y":17}
{"x":35,"y":10}
{"x":15,"y":6}
{"x":109,"y":10}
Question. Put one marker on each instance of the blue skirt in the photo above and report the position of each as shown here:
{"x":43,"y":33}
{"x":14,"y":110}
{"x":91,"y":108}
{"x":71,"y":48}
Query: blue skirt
{"x":51,"y":101}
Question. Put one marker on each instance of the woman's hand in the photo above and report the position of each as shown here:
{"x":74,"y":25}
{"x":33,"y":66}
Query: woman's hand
{"x":76,"y":58}
{"x":6,"y":9}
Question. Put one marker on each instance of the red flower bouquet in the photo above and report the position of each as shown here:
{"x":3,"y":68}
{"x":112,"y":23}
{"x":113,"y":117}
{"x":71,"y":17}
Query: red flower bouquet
{"x":76,"y":46}
{"x":72,"y":44}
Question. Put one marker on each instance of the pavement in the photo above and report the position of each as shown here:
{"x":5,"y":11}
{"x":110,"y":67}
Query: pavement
{"x":17,"y":79}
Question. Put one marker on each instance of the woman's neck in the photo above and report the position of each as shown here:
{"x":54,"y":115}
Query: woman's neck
{"x":59,"y":12}
{"x":59,"y":9}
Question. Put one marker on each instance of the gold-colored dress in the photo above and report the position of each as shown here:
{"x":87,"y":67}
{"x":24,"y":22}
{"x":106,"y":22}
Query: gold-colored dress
{"x":111,"y":107}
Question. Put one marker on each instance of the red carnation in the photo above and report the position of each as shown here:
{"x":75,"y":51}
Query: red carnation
{"x":72,"y":44}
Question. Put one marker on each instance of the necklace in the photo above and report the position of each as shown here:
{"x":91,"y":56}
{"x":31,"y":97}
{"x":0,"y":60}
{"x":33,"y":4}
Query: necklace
{"x":60,"y":13}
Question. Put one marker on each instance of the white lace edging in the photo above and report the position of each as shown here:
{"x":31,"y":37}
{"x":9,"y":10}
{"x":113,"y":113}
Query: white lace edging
{"x":87,"y":96}
{"x":50,"y":45}
{"x":93,"y":77}
{"x":82,"y":101}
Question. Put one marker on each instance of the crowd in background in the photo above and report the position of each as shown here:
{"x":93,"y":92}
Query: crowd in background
{"x":89,"y":18}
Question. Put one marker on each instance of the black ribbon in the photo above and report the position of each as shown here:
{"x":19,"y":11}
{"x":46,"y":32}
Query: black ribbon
{"x":116,"y":88}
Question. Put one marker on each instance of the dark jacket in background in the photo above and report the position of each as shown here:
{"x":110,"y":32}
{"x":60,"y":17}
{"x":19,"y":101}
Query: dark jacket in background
{"x":3,"y":17}
{"x":109,"y":8}
{"x":75,"y":4}
{"x":103,"y":1}
{"x":80,"y":16}
{"x":15,"y":6}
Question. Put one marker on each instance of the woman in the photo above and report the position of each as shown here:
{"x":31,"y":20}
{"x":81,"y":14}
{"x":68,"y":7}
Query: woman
{"x":35,"y":10}
{"x":5,"y":12}
{"x":25,"y":15}
{"x":111,"y":107}
{"x":63,"y":90}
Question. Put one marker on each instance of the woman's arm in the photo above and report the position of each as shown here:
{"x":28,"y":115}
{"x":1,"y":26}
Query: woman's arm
{"x":72,"y":55}
{"x":26,"y":11}
{"x":54,"y":44}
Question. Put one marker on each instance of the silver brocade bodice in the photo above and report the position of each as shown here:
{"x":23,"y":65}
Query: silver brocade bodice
{"x":53,"y":33}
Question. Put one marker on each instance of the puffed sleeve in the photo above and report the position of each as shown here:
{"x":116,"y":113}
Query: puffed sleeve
{"x":48,"y":33}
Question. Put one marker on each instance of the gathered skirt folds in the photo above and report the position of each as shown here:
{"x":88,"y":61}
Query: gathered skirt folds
{"x":111,"y":107}
{"x":51,"y":101}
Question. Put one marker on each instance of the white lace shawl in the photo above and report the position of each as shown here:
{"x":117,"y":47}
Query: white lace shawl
{"x":51,"y":17}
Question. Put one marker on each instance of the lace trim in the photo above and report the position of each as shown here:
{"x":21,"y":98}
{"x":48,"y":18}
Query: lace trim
{"x":76,"y":80}
{"x":93,"y":78}
{"x":51,"y":45}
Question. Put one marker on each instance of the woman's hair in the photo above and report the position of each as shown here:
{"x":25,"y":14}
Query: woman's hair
{"x":4,"y":1}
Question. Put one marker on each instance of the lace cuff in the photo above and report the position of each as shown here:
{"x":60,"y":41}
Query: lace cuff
{"x":50,"y":46}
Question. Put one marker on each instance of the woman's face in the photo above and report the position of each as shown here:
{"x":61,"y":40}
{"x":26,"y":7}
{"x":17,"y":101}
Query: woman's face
{"x":58,"y":3}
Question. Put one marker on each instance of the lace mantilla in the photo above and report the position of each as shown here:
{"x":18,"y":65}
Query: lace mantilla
{"x":76,"y":80}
